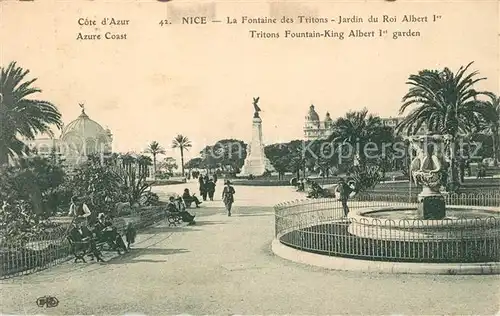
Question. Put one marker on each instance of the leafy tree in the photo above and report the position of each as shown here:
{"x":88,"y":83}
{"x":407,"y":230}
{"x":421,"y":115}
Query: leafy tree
{"x":20,"y":115}
{"x":183,"y":143}
{"x":169,"y":165}
{"x":289,"y":157}
{"x":195,"y":163}
{"x":32,"y":179}
{"x":490,"y":124}
{"x":278,"y":155}
{"x":230,"y":153}
{"x":98,"y":183}
{"x":208,"y":158}
{"x":155,"y":149}
{"x":356,"y":130}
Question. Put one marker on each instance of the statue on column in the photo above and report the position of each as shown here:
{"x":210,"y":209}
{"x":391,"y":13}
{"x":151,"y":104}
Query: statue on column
{"x":256,"y":107}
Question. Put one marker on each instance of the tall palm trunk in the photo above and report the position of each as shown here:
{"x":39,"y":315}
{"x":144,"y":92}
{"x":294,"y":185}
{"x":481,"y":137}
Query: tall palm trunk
{"x":182,"y":161}
{"x":154,"y":166}
{"x":494,"y":137}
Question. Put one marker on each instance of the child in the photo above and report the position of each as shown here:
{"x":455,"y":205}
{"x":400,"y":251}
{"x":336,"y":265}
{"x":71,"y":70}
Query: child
{"x":130,"y":234}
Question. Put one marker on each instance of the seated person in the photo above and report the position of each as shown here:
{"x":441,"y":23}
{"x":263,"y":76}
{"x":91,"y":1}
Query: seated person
{"x":80,"y":233}
{"x":106,"y":231}
{"x":316,"y":190}
{"x":188,"y":198}
{"x":180,"y":204}
{"x":185,"y":216}
{"x":301,"y":186}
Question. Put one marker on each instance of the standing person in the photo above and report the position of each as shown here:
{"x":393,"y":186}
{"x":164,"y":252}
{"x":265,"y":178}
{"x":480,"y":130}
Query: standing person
{"x":201,"y":182}
{"x":79,"y":210}
{"x":344,"y":190}
{"x":462,"y":169}
{"x":210,"y":187}
{"x":215,"y":178}
{"x":228,"y":197}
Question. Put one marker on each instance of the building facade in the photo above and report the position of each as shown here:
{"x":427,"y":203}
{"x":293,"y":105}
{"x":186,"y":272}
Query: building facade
{"x":80,"y":138}
{"x":314,"y":128}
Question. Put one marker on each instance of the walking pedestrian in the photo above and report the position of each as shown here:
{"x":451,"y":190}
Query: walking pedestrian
{"x":210,"y":187}
{"x":203,"y":192}
{"x":344,"y":191}
{"x":228,"y":196}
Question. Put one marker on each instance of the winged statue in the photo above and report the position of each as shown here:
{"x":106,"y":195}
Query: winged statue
{"x":256,"y":107}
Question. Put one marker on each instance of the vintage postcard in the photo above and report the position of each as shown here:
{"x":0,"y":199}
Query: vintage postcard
{"x":249,"y":157}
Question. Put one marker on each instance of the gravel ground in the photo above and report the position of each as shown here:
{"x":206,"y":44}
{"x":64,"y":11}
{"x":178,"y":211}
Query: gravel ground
{"x":224,"y":265}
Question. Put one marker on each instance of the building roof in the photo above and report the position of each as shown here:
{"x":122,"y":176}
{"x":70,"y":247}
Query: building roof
{"x":327,"y":117}
{"x":85,"y":128}
{"x":312,"y":115}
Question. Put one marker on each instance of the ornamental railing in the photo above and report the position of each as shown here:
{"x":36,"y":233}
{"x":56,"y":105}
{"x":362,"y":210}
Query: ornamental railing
{"x":52,"y":247}
{"x":319,"y":226}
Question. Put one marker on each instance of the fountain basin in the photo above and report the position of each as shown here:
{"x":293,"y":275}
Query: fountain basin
{"x":400,"y":224}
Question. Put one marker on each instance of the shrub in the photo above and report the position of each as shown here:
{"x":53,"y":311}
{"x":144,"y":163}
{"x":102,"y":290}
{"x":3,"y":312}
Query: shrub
{"x":150,"y":199}
{"x":19,"y":224}
{"x":32,"y":179}
{"x":365,"y":176}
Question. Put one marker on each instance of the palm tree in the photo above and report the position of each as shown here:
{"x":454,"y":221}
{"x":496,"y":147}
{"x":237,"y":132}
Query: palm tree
{"x":155,"y":149}
{"x":20,"y":115}
{"x":491,"y":121}
{"x":143,"y":162}
{"x":445,"y":101}
{"x":183,"y":143}
{"x":356,"y":129}
{"x":128,"y":161}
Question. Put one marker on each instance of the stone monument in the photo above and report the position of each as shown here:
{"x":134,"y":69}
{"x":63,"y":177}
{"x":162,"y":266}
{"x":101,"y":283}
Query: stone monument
{"x":256,"y":162}
{"x":426,"y":170}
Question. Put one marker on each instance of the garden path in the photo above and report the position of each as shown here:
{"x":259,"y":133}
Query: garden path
{"x":224,"y":265}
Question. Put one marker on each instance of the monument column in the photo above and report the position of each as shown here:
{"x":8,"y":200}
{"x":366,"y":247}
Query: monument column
{"x":256,"y":162}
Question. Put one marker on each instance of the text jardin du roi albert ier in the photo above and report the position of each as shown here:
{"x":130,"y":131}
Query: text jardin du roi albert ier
{"x":340,"y":31}
{"x":343,"y":25}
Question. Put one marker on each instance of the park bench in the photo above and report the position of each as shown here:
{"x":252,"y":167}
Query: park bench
{"x":94,"y":246}
{"x":86,"y":246}
{"x":173,"y":218}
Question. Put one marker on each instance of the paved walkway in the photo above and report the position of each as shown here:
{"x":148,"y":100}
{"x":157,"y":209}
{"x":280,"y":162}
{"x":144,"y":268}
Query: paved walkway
{"x":224,"y":265}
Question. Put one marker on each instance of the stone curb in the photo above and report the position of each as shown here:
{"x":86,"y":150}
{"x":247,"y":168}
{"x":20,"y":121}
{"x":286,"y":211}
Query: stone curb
{"x":345,"y":264}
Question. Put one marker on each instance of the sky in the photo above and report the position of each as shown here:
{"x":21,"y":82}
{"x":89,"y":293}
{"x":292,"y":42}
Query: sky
{"x":199,"y":81}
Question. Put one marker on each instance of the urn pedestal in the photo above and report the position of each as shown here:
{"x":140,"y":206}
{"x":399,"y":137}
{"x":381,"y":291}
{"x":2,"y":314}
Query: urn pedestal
{"x":431,"y":205}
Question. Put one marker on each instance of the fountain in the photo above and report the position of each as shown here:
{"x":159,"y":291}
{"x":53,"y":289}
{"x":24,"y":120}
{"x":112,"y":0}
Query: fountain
{"x":431,"y":218}
{"x":446,"y":231}
{"x":426,"y":171}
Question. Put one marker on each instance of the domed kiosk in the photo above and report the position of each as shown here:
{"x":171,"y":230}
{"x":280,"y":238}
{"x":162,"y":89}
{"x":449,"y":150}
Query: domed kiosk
{"x":83,"y":137}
